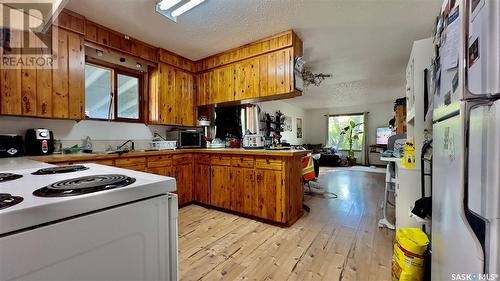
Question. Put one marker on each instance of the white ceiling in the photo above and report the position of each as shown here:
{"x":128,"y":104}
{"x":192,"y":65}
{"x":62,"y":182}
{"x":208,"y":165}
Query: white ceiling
{"x":365,"y":44}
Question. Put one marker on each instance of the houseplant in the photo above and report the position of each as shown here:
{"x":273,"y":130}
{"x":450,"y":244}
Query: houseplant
{"x":351,"y":133}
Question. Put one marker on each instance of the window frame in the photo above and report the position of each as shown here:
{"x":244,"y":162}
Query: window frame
{"x":362,"y":115}
{"x":115,"y":71}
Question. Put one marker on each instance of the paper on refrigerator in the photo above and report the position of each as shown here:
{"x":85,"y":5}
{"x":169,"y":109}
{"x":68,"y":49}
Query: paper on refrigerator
{"x":451,"y":47}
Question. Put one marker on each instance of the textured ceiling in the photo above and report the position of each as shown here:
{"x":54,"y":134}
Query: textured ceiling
{"x":364,"y":44}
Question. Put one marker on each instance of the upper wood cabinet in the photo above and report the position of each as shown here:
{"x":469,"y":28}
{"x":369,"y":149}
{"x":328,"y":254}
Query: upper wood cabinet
{"x":171,"y":96}
{"x":56,"y":92}
{"x":101,"y":35}
{"x":268,"y":76}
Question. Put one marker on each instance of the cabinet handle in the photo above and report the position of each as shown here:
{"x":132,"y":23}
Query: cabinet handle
{"x":44,"y":108}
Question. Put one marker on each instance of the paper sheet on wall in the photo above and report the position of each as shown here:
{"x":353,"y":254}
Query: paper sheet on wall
{"x":452,"y":44}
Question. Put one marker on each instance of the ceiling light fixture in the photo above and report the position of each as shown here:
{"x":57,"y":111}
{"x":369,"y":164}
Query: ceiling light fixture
{"x":167,"y":4}
{"x":171,"y":9}
{"x":186,"y":7}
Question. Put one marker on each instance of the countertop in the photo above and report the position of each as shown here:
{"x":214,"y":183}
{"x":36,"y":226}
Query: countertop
{"x":235,"y":151}
{"x":20,"y":163}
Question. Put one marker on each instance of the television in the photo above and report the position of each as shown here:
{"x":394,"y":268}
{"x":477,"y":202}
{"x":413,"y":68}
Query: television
{"x":383,"y":135}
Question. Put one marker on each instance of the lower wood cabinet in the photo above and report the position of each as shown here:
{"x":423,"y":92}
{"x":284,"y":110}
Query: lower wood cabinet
{"x":243,"y":190}
{"x":220,"y":189}
{"x":183,"y":173}
{"x":268,"y":186}
{"x":202,"y":179}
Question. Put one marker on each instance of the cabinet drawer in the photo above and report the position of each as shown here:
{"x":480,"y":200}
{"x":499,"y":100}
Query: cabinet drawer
{"x":182,"y":159}
{"x":269,"y":163}
{"x":159,"y":161}
{"x":139,"y":167}
{"x":202,"y":158}
{"x":220,"y":160}
{"x":132,"y":161}
{"x":107,"y":162}
{"x":244,"y":162}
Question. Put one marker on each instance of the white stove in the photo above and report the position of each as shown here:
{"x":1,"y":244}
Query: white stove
{"x":87,"y":222}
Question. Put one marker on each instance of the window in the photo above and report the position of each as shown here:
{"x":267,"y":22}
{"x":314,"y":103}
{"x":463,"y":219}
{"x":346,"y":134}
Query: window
{"x":335,"y":126}
{"x":112,"y":94}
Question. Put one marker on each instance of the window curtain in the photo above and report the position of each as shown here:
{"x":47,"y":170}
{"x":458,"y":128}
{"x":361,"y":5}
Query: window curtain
{"x":365,"y":159}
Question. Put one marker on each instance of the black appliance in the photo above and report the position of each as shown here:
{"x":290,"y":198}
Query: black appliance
{"x":83,"y":185}
{"x":39,"y":142}
{"x":7,"y":200}
{"x":60,"y":170}
{"x":4,"y":177}
{"x":11,"y":146}
{"x":186,"y":137}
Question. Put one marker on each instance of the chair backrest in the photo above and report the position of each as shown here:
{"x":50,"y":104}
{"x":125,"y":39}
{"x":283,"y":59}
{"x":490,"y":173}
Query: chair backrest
{"x":390,"y":146}
{"x":392,"y":140}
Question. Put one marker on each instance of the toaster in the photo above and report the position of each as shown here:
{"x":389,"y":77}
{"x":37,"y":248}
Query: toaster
{"x":253,"y":141}
{"x":39,"y":142}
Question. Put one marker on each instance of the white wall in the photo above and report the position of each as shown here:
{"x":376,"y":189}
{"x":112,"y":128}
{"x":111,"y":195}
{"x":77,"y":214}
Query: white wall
{"x":379,"y":116}
{"x":72,"y":132}
{"x":290,"y":111}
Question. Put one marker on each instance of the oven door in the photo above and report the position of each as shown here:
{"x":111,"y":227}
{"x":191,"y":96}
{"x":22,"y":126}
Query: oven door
{"x":189,"y":138}
{"x":112,"y":244}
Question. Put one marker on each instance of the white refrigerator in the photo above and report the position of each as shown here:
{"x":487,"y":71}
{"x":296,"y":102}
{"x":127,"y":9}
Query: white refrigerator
{"x":466,"y":143}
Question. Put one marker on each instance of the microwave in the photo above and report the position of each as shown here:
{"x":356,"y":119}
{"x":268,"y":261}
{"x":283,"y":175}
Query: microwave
{"x":186,"y":137}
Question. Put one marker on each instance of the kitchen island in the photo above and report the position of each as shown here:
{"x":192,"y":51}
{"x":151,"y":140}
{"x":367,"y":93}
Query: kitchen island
{"x":257,"y":183}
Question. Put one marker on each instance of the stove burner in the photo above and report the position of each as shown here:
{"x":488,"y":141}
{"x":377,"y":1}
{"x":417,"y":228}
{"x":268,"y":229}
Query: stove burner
{"x":8,"y":177}
{"x":60,"y":170}
{"x":7,"y":200}
{"x":83,"y":185}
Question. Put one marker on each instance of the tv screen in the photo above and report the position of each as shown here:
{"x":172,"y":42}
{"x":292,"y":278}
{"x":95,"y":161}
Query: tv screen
{"x":383,"y":135}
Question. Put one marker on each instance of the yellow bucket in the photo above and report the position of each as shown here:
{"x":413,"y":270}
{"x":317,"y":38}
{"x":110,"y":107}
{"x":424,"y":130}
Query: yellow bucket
{"x":408,"y":257}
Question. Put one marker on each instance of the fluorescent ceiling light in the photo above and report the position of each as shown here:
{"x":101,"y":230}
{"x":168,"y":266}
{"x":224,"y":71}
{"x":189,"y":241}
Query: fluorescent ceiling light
{"x":186,"y":7}
{"x":167,"y":4}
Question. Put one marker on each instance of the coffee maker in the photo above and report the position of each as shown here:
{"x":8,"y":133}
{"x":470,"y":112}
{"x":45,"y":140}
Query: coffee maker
{"x":39,"y":142}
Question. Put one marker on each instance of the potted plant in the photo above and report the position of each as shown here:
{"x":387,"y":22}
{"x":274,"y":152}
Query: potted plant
{"x":351,"y":134}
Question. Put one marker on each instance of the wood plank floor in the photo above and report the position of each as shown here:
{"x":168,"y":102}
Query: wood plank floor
{"x":338,"y":240}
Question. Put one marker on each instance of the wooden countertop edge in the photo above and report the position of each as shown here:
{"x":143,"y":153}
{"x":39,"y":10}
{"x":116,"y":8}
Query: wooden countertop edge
{"x":85,"y":157}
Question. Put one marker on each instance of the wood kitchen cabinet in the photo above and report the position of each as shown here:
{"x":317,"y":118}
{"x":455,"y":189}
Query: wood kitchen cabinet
{"x":160,"y":165}
{"x":202,"y":178}
{"x":183,"y":173}
{"x":243,"y":184}
{"x":45,"y":92}
{"x":246,"y":79}
{"x":220,"y":188}
{"x":268,"y":189}
{"x":171,"y":96}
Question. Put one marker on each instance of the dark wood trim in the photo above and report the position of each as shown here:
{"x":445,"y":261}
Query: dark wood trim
{"x":115,"y":70}
{"x":346,"y":114}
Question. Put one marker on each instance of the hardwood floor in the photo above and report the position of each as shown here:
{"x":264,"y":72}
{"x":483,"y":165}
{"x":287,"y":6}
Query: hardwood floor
{"x":338,"y":240}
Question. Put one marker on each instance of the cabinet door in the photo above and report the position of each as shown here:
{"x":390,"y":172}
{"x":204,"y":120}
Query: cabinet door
{"x":184,"y":98}
{"x":46,"y":91}
{"x":68,"y":76}
{"x":276,"y":73}
{"x":203,"y":88}
{"x":268,"y":194}
{"x":243,"y":189}
{"x":202,"y":183}
{"x":184,"y":177}
{"x":225,"y":85}
{"x":220,"y":194}
{"x":247,"y":79}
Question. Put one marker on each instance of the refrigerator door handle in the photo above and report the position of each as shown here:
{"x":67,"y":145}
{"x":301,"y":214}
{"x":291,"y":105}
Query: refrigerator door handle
{"x":477,"y":224}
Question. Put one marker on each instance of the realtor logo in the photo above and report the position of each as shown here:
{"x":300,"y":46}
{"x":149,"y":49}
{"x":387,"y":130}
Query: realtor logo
{"x":26,"y":39}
